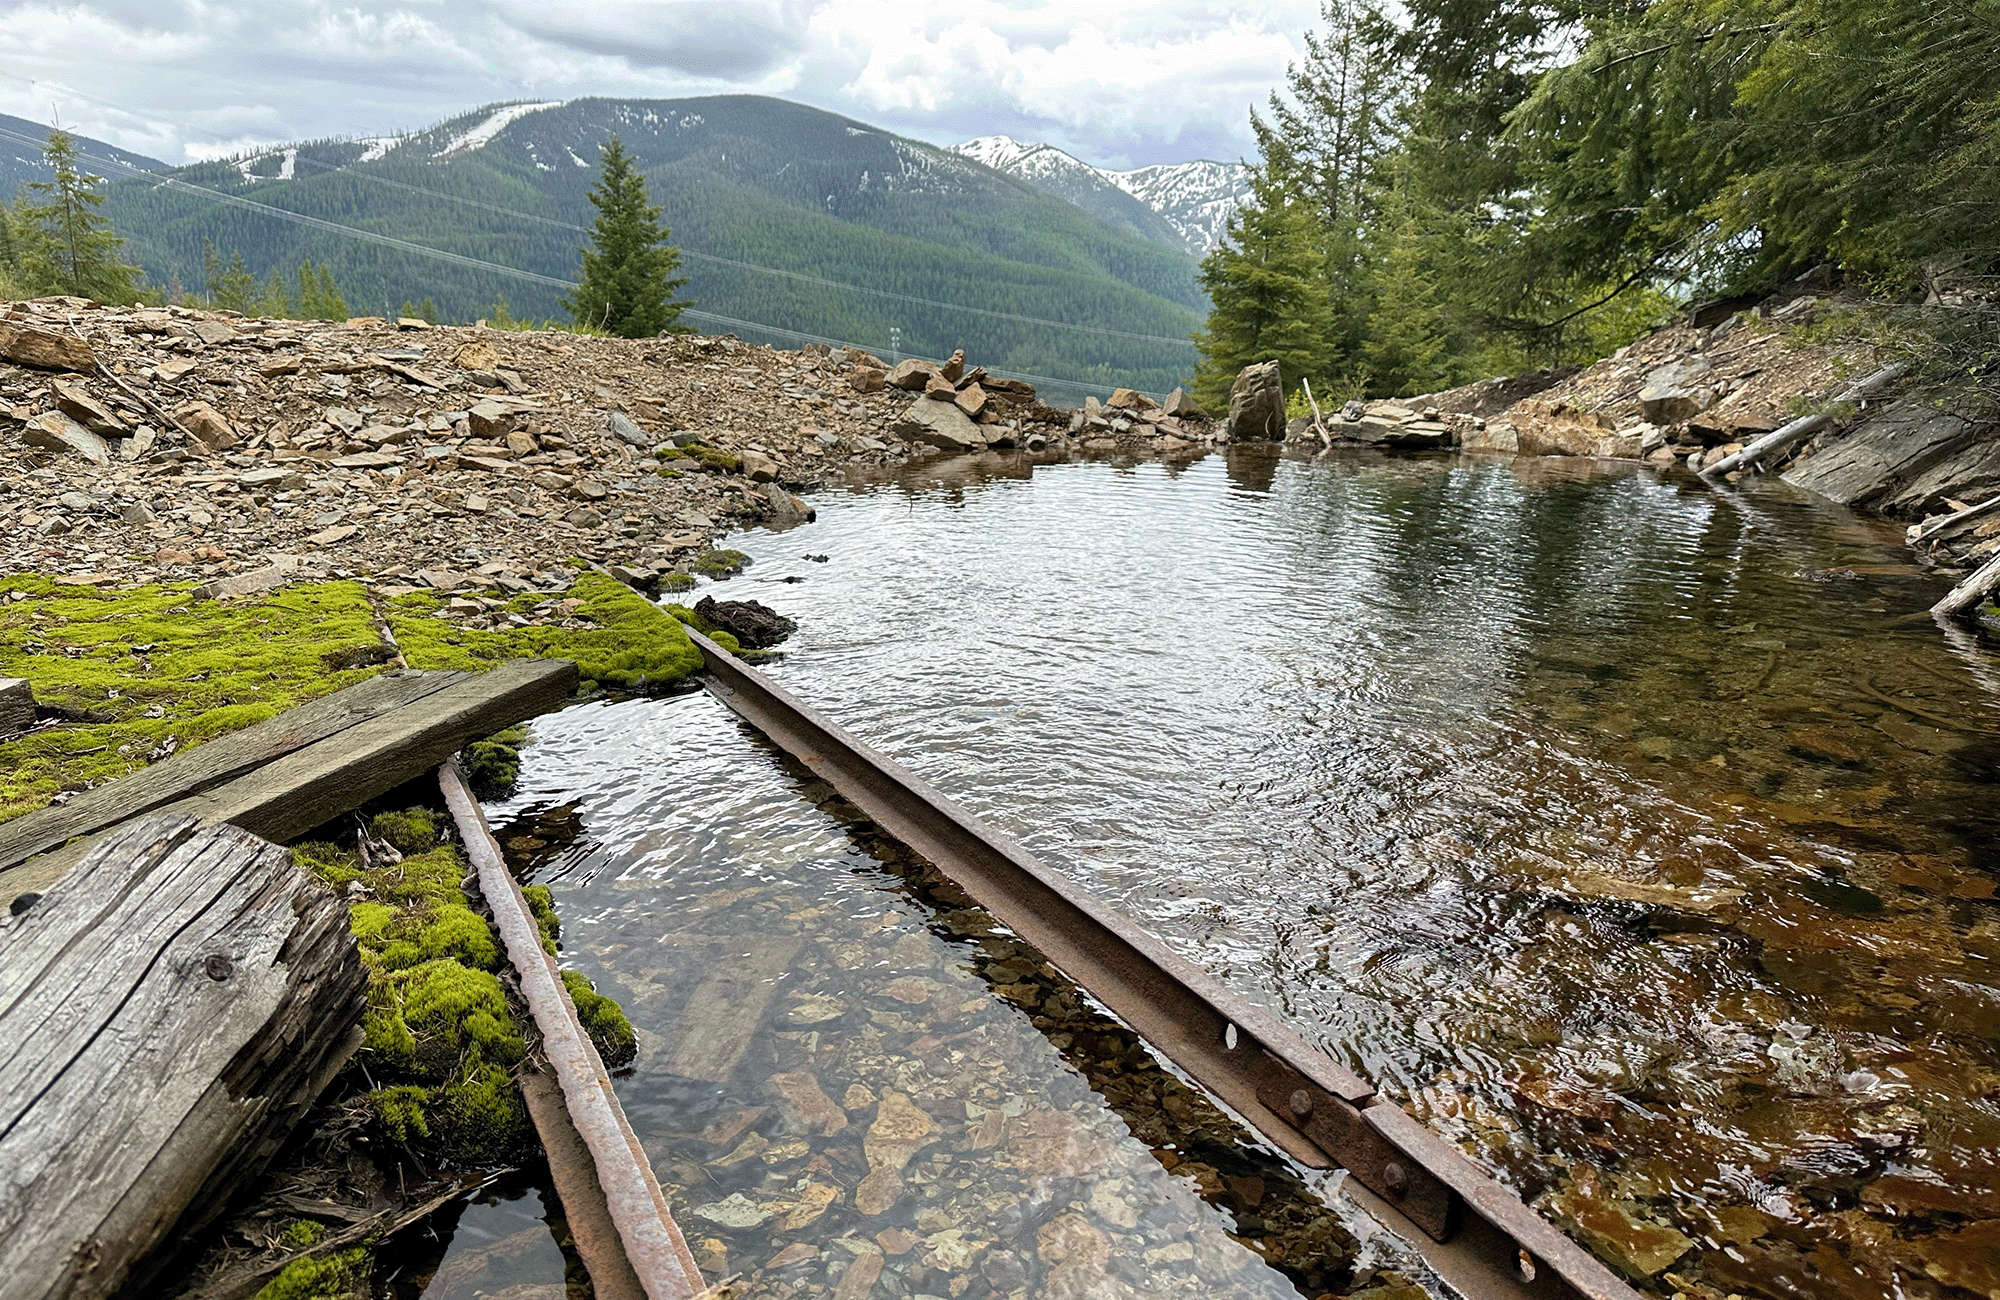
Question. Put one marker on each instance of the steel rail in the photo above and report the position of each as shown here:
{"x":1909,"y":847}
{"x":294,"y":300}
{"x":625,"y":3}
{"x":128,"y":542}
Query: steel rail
{"x":1477,"y":1235}
{"x":652,"y":1244}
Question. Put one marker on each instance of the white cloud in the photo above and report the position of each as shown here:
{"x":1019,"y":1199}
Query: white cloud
{"x":1119,"y":82}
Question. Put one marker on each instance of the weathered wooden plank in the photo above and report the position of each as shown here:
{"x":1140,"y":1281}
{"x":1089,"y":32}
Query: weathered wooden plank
{"x":204,"y":766}
{"x":725,"y":1010}
{"x":17,"y":706}
{"x":310,"y":786}
{"x":166,"y":1012}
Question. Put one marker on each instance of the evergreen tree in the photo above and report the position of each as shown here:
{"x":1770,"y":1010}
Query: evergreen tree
{"x":1267,"y":282}
{"x":310,"y":307}
{"x":628,"y":281}
{"x":427,"y":310}
{"x":230,"y":285}
{"x":71,"y":248}
{"x":501,"y":317}
{"x":275,"y":302}
{"x":330,"y":300}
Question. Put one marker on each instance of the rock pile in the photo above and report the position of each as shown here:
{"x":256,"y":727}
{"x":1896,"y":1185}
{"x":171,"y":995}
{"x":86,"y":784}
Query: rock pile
{"x":1681,"y":394}
{"x":173,"y":444}
{"x":1132,"y":420}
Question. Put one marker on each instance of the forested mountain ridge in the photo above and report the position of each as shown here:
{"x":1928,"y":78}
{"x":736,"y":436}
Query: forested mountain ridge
{"x":21,"y":157}
{"x":745,"y":182}
{"x":1182,"y":205}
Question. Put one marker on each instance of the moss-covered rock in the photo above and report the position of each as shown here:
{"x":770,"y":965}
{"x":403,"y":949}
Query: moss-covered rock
{"x":722,"y":563}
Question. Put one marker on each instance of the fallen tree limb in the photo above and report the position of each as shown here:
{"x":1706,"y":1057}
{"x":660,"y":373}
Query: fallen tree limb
{"x":1802,"y":428}
{"x":1950,"y":525}
{"x":1967,"y":595}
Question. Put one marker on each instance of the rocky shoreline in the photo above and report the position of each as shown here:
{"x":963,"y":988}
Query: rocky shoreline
{"x":168,"y":445}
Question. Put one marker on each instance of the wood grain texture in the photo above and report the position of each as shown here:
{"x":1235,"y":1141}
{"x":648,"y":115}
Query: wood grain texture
{"x":167,"y":1011}
{"x":223,"y":759}
{"x":282,"y":797}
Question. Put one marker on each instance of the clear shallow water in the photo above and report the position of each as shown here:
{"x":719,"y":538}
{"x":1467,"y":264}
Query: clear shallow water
{"x":1617,"y":826}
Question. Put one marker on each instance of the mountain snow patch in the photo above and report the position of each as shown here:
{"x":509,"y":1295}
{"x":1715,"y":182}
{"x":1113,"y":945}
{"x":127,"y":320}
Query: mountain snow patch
{"x":496,"y":122}
{"x":1196,"y":198}
{"x":378,"y":147}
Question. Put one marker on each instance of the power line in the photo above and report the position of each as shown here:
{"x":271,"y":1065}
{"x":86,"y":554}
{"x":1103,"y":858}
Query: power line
{"x":799,"y":276}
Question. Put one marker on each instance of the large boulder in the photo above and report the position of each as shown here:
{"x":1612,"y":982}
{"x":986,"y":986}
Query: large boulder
{"x":941,"y":424}
{"x":1678,"y":391}
{"x":1256,"y":405}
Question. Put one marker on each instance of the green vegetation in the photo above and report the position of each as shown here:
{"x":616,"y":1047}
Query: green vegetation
{"x":150,"y":670}
{"x":628,"y":282}
{"x":736,"y":177}
{"x":1459,"y":187}
{"x":633,"y":645}
{"x":331,"y":1277}
{"x":54,"y":239}
{"x":721,"y":564}
{"x":440,"y":1038}
{"x":610,"y":1032}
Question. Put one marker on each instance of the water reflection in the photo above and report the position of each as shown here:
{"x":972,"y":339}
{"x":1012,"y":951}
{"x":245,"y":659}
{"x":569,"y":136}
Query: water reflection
{"x":1627,"y":830}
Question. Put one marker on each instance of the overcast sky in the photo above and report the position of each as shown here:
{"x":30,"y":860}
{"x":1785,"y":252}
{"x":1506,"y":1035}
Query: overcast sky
{"x":1117,"y":82}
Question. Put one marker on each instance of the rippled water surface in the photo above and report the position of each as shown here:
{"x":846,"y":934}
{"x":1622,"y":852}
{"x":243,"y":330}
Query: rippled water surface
{"x":1626,"y":830}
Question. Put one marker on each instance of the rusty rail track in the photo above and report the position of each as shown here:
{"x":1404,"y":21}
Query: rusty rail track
{"x":617,"y":1213}
{"x":1479,"y":1237}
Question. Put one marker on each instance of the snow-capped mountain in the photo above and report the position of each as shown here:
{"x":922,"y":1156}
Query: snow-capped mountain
{"x":1193,"y":201}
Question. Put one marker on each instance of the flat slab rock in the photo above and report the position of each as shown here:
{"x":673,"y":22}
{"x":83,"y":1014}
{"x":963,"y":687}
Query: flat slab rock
{"x":1907,"y":460}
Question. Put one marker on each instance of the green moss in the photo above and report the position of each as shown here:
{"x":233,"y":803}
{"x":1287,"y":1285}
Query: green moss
{"x":369,"y":920}
{"x":206,"y":667}
{"x":330,"y":1277}
{"x":301,"y":1233}
{"x":414,"y":830}
{"x":631,"y":645}
{"x":610,"y":1032}
{"x":482,"y":1113}
{"x":439,"y":1035}
{"x":706,"y":628}
{"x":722,"y":563}
{"x":542,"y":904}
{"x":400,"y":1111}
{"x":664,"y":472}
{"x":713,"y":459}
{"x":492,"y":768}
{"x":676,"y":581}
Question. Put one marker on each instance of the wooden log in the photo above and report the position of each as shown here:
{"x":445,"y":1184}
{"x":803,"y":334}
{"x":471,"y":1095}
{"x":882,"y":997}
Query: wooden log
{"x":168,"y":1012}
{"x":1802,"y":428}
{"x":1967,"y":595}
{"x":1951,"y":525}
{"x":313,"y":784}
{"x":17,"y":706}
{"x":205,"y":766}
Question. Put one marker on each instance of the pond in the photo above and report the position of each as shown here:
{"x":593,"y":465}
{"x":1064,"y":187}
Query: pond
{"x":1631,"y":833}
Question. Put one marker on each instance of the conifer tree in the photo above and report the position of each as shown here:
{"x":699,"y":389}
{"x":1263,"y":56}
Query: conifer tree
{"x":70,"y":248}
{"x":1267,"y":282}
{"x":310,"y":307}
{"x":628,"y":281}
{"x":231,"y":287}
{"x":331,"y":302}
{"x":275,"y":302}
